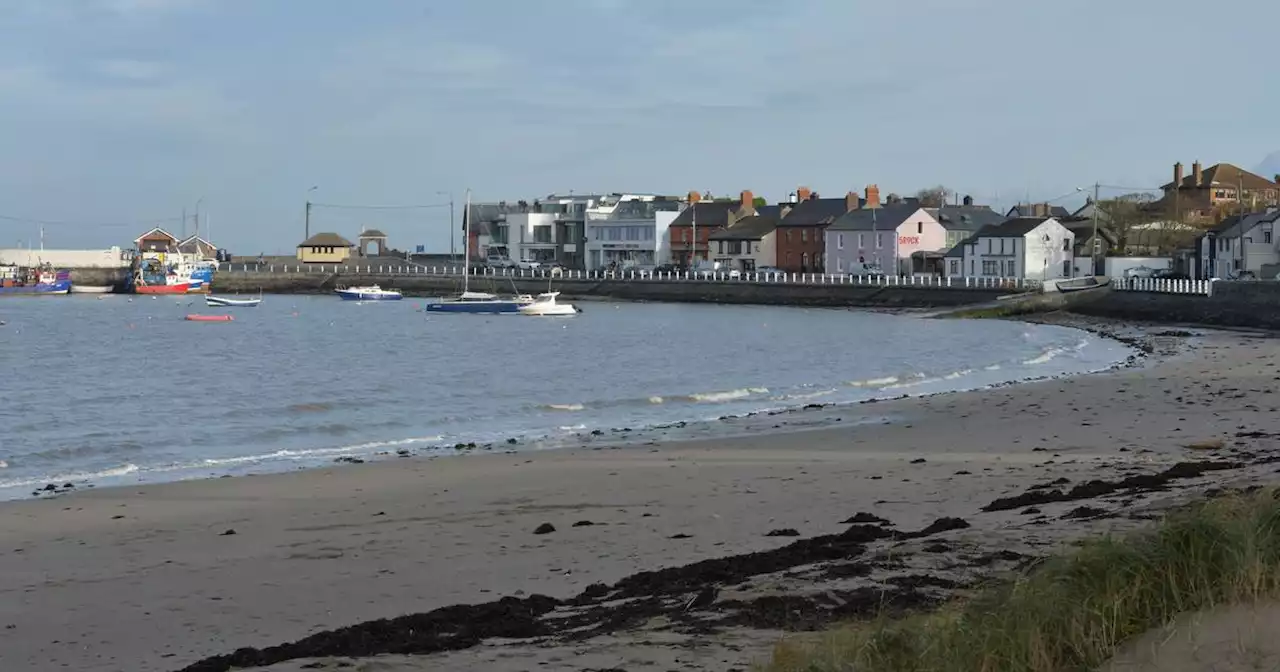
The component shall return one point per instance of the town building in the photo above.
(799, 238)
(964, 219)
(897, 239)
(1207, 194)
(750, 243)
(1029, 248)
(626, 230)
(1240, 245)
(324, 248)
(156, 240)
(691, 230)
(197, 248)
(1037, 210)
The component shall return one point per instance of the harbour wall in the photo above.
(1232, 304)
(681, 291)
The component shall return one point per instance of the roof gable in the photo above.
(1226, 175)
(709, 213)
(816, 212)
(156, 234)
(325, 239)
(1014, 227)
(754, 227)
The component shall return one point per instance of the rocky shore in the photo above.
(686, 555)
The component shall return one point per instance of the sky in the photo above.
(120, 114)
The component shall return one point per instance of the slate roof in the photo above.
(884, 218)
(325, 240)
(957, 252)
(747, 228)
(1014, 227)
(965, 217)
(712, 213)
(1055, 211)
(815, 212)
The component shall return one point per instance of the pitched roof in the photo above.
(325, 240)
(1083, 228)
(1238, 225)
(958, 250)
(157, 230)
(815, 212)
(748, 228)
(1226, 175)
(885, 218)
(709, 213)
(372, 233)
(965, 217)
(1028, 210)
(1014, 227)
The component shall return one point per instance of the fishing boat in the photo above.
(201, 274)
(230, 302)
(21, 281)
(91, 289)
(368, 293)
(152, 276)
(545, 305)
(476, 302)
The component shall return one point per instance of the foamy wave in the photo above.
(572, 428)
(563, 407)
(1046, 356)
(916, 381)
(82, 476)
(656, 400)
(993, 367)
(873, 382)
(728, 395)
(319, 452)
(802, 396)
(957, 374)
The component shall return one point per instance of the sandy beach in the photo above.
(159, 577)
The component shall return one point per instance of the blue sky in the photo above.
(129, 111)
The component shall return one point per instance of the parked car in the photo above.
(864, 269)
(1170, 274)
(528, 265)
(1139, 272)
(669, 268)
(768, 270)
(495, 261)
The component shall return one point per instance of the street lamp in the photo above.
(450, 195)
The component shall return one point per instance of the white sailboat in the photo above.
(476, 302)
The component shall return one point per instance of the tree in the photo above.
(934, 197)
(1128, 218)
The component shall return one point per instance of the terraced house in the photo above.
(800, 244)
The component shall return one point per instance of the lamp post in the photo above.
(307, 215)
(450, 195)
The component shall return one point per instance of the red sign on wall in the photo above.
(908, 240)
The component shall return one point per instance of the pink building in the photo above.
(885, 236)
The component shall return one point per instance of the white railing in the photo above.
(921, 281)
(1163, 285)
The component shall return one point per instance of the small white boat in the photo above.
(368, 293)
(546, 305)
(228, 302)
(90, 289)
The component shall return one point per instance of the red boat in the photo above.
(209, 318)
(180, 288)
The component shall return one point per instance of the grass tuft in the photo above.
(1072, 611)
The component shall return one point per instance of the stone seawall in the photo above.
(115, 277)
(629, 290)
(1233, 304)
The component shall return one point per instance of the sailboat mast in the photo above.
(466, 246)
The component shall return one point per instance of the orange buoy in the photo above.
(209, 318)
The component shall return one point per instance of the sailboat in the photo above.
(476, 302)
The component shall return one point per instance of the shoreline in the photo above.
(326, 548)
(789, 415)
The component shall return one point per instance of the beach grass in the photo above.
(1072, 611)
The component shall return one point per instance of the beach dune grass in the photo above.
(1072, 611)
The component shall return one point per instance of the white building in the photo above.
(626, 230)
(1242, 244)
(1030, 248)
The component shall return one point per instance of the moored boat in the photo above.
(368, 293)
(153, 276)
(230, 302)
(546, 305)
(476, 302)
(91, 289)
(20, 281)
(209, 318)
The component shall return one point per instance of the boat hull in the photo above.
(498, 307)
(348, 295)
(231, 303)
(209, 318)
(180, 288)
(39, 289)
(91, 289)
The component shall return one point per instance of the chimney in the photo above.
(1040, 210)
(968, 200)
(1199, 176)
(803, 193)
(694, 197)
(748, 201)
(1177, 175)
(873, 196)
(851, 201)
(1277, 178)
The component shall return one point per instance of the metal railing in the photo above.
(1164, 285)
(921, 281)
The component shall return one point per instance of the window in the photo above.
(839, 265)
(879, 240)
(955, 267)
(788, 235)
(990, 246)
(735, 247)
(1066, 244)
(1266, 236)
(971, 263)
(1066, 269)
(804, 261)
(804, 235)
(840, 241)
(919, 227)
(1002, 246)
(989, 268)
(861, 244)
(720, 246)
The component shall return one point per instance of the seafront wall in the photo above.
(1232, 304)
(687, 291)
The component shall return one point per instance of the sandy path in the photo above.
(146, 578)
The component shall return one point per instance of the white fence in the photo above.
(1164, 286)
(651, 276)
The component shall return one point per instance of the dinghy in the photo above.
(229, 302)
(209, 318)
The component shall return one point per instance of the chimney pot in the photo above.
(694, 197)
(1196, 172)
(1177, 175)
(851, 201)
(803, 193)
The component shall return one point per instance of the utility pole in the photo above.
(451, 228)
(307, 220)
(1093, 254)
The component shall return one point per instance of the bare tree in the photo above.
(1127, 217)
(934, 197)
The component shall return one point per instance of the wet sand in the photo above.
(158, 577)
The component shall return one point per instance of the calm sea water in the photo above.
(121, 389)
